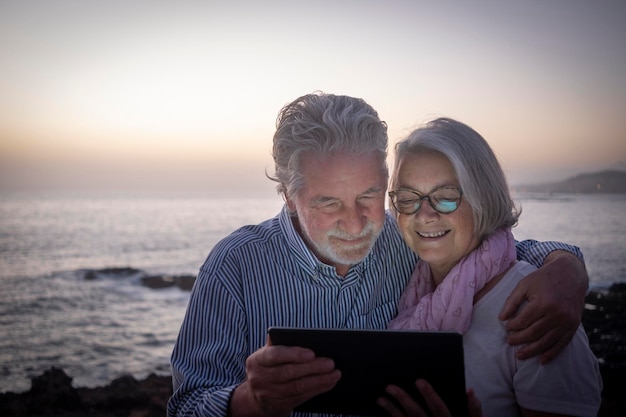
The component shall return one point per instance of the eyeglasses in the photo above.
(444, 200)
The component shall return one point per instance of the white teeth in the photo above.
(432, 234)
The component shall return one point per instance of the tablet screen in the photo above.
(371, 359)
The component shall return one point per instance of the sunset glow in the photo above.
(118, 93)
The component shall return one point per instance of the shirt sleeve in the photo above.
(534, 252)
(209, 354)
(570, 384)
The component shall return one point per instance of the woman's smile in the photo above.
(430, 235)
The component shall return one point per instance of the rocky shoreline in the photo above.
(52, 393)
(604, 319)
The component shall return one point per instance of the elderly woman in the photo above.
(454, 210)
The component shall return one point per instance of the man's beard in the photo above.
(333, 251)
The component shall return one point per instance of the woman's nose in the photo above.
(426, 211)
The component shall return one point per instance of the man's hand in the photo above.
(556, 297)
(278, 378)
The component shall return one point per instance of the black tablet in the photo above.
(369, 360)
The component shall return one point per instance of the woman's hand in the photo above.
(436, 406)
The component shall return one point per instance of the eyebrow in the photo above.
(324, 199)
(373, 190)
(405, 187)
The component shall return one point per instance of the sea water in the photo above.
(99, 329)
(596, 223)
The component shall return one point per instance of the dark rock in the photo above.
(618, 288)
(184, 282)
(123, 392)
(51, 391)
(54, 389)
(53, 395)
(604, 320)
(121, 272)
(158, 281)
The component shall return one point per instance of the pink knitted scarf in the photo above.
(449, 305)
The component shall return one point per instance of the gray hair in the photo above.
(479, 173)
(323, 124)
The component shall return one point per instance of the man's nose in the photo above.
(353, 220)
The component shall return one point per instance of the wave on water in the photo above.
(96, 324)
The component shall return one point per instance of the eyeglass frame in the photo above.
(421, 197)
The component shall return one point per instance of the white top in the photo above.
(570, 384)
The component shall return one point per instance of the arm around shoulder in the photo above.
(555, 296)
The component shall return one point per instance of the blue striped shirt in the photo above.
(264, 275)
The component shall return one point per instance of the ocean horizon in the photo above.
(64, 303)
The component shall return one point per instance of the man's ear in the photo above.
(290, 204)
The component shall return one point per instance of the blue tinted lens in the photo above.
(446, 206)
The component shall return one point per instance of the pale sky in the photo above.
(186, 93)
